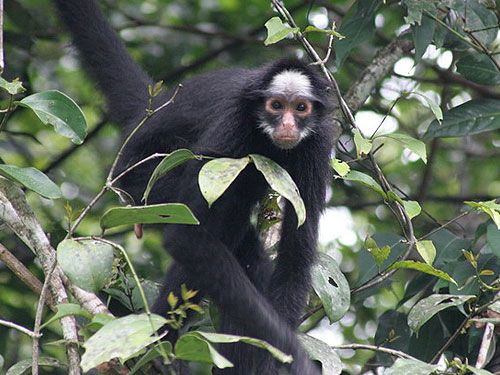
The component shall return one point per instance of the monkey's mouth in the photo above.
(286, 142)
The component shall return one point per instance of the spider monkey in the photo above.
(281, 110)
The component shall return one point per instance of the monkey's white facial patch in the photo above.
(291, 83)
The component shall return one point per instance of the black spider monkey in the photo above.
(281, 110)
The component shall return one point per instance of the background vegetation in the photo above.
(421, 266)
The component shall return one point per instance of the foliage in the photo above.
(409, 268)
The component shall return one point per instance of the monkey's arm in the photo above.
(121, 80)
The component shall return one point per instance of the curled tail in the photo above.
(121, 80)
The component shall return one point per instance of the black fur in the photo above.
(216, 114)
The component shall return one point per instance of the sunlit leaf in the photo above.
(88, 264)
(121, 338)
(277, 30)
(363, 145)
(412, 144)
(379, 254)
(59, 110)
(166, 213)
(216, 176)
(422, 267)
(426, 250)
(404, 366)
(365, 180)
(412, 208)
(320, 351)
(490, 208)
(333, 32)
(14, 87)
(341, 167)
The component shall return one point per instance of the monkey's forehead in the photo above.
(291, 83)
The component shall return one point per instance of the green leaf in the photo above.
(404, 366)
(434, 107)
(341, 167)
(422, 267)
(22, 367)
(219, 338)
(490, 208)
(322, 352)
(88, 264)
(59, 110)
(416, 8)
(216, 176)
(477, 17)
(422, 36)
(166, 213)
(493, 239)
(479, 68)
(426, 308)
(473, 117)
(363, 145)
(412, 144)
(169, 162)
(280, 181)
(13, 88)
(478, 371)
(192, 347)
(66, 309)
(379, 254)
(331, 286)
(412, 208)
(314, 29)
(121, 338)
(365, 180)
(32, 179)
(426, 250)
(358, 27)
(277, 30)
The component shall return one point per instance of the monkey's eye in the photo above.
(301, 107)
(276, 104)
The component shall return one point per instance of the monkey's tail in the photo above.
(121, 80)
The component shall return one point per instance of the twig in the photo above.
(23, 273)
(396, 353)
(2, 62)
(38, 320)
(26, 331)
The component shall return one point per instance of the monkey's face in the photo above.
(287, 118)
(289, 106)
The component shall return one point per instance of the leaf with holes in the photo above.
(88, 264)
(32, 179)
(217, 175)
(341, 167)
(277, 30)
(169, 162)
(121, 338)
(430, 306)
(322, 352)
(331, 286)
(280, 181)
(363, 145)
(59, 110)
(13, 88)
(166, 213)
(379, 254)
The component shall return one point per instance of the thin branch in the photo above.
(2, 62)
(396, 353)
(26, 331)
(38, 321)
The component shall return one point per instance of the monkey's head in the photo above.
(291, 109)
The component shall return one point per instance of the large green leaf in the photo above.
(216, 176)
(479, 68)
(59, 110)
(404, 366)
(32, 179)
(279, 179)
(166, 213)
(422, 267)
(473, 117)
(173, 160)
(121, 338)
(357, 26)
(88, 263)
(331, 286)
(428, 307)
